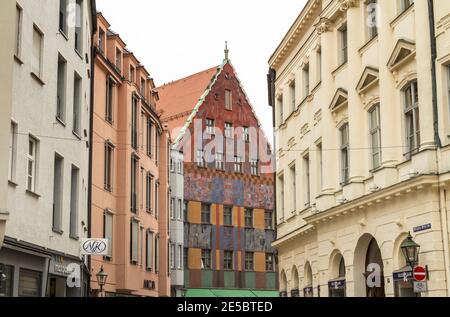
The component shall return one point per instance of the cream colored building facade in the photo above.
(359, 164)
(6, 75)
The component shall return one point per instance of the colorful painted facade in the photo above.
(228, 215)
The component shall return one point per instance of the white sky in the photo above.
(176, 38)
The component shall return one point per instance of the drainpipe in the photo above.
(444, 229)
(431, 20)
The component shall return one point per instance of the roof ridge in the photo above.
(188, 77)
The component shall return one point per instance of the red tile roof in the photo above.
(178, 99)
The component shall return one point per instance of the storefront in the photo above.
(336, 288)
(66, 278)
(404, 283)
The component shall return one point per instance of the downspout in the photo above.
(91, 149)
(431, 20)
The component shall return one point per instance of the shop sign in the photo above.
(340, 284)
(308, 292)
(422, 228)
(420, 287)
(295, 293)
(403, 276)
(94, 247)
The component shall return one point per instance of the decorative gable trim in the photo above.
(340, 100)
(404, 50)
(369, 78)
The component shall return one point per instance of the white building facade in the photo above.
(48, 175)
(362, 145)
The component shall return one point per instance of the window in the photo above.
(61, 89)
(141, 246)
(375, 136)
(63, 16)
(172, 208)
(237, 164)
(180, 209)
(268, 219)
(109, 153)
(7, 289)
(58, 193)
(280, 110)
(412, 118)
(228, 100)
(210, 126)
(448, 85)
(157, 254)
(185, 211)
(254, 167)
(405, 4)
(30, 283)
(172, 256)
(134, 123)
(77, 95)
(307, 180)
(306, 87)
(228, 216)
(292, 95)
(180, 167)
(186, 258)
(219, 162)
(119, 59)
(269, 262)
(319, 64)
(246, 135)
(228, 260)
(372, 18)
(32, 158)
(149, 250)
(249, 261)
(157, 135)
(228, 130)
(200, 158)
(345, 155)
(132, 74)
(101, 40)
(79, 26)
(206, 213)
(74, 189)
(134, 175)
(134, 245)
(206, 259)
(18, 37)
(109, 100)
(180, 257)
(12, 152)
(38, 46)
(320, 166)
(343, 40)
(157, 199)
(149, 136)
(143, 87)
(292, 172)
(148, 198)
(281, 191)
(108, 231)
(248, 215)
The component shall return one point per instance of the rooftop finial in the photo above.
(226, 50)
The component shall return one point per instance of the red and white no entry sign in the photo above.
(420, 274)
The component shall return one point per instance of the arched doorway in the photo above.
(283, 284)
(295, 291)
(337, 285)
(308, 279)
(368, 268)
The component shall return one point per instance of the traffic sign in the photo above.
(420, 274)
(420, 287)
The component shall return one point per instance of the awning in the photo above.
(205, 292)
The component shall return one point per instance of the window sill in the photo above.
(108, 189)
(31, 193)
(107, 258)
(368, 44)
(58, 232)
(18, 60)
(60, 121)
(12, 183)
(79, 54)
(76, 135)
(74, 238)
(63, 34)
(339, 68)
(37, 78)
(401, 15)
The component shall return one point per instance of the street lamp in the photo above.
(410, 250)
(101, 279)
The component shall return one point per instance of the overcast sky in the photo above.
(176, 38)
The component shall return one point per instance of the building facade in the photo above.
(6, 75)
(130, 173)
(361, 104)
(49, 148)
(228, 191)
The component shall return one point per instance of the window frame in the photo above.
(375, 132)
(206, 259)
(249, 218)
(228, 260)
(343, 44)
(12, 155)
(228, 216)
(412, 116)
(205, 213)
(109, 167)
(249, 261)
(33, 158)
(228, 100)
(345, 153)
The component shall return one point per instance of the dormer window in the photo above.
(119, 59)
(132, 74)
(101, 40)
(143, 87)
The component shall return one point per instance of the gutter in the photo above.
(431, 20)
